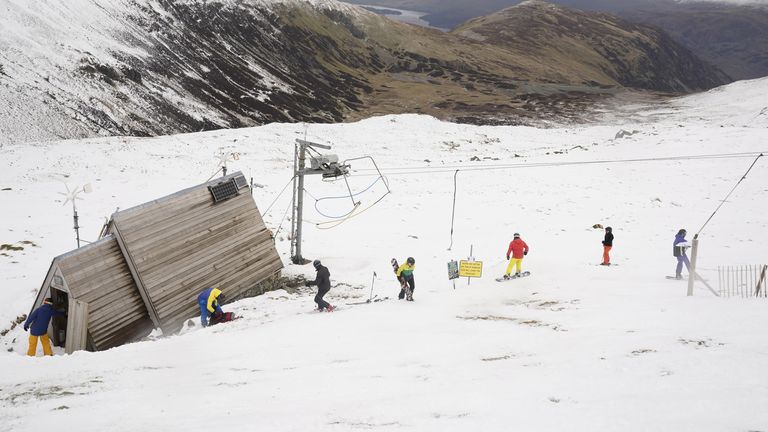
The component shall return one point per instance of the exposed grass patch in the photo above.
(642, 351)
(528, 322)
(19, 319)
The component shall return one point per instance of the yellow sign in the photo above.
(471, 269)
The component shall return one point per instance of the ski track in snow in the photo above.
(575, 346)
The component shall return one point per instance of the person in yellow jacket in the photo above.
(209, 301)
(405, 276)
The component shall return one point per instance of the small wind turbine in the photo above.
(72, 195)
(225, 157)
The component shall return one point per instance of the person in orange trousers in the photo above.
(37, 324)
(607, 246)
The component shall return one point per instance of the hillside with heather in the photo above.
(80, 68)
(729, 34)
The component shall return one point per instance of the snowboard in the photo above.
(403, 285)
(513, 277)
(674, 278)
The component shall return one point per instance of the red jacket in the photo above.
(518, 248)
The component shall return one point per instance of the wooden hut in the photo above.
(155, 259)
(95, 286)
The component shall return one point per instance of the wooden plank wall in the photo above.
(77, 326)
(183, 243)
(98, 275)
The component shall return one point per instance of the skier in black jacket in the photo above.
(607, 246)
(323, 282)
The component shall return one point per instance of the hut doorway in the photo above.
(59, 323)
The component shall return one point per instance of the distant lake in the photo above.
(402, 15)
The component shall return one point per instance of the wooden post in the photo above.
(470, 258)
(77, 326)
(720, 279)
(692, 270)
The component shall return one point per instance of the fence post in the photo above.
(760, 282)
(692, 270)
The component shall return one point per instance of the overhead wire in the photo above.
(453, 211)
(317, 200)
(214, 174)
(278, 195)
(729, 194)
(321, 224)
(475, 167)
(282, 220)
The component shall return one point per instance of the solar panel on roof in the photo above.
(223, 191)
(241, 182)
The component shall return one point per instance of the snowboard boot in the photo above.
(507, 277)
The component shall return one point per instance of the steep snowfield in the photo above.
(82, 68)
(576, 346)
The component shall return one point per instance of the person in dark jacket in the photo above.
(323, 282)
(679, 246)
(607, 246)
(37, 324)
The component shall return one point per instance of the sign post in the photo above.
(471, 268)
(453, 271)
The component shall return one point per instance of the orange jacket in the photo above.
(518, 248)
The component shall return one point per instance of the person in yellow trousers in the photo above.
(37, 323)
(518, 248)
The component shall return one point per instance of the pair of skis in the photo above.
(374, 299)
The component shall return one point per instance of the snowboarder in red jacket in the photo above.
(518, 249)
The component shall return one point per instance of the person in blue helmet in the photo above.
(679, 246)
(210, 301)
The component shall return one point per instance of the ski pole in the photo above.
(372, 281)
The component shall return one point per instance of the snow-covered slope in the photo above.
(141, 67)
(576, 346)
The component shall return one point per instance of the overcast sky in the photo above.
(761, 2)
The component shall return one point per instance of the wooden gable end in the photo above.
(97, 275)
(183, 243)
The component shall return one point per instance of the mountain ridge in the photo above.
(140, 67)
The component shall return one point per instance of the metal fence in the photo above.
(743, 281)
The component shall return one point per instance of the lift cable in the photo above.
(450, 168)
(729, 194)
